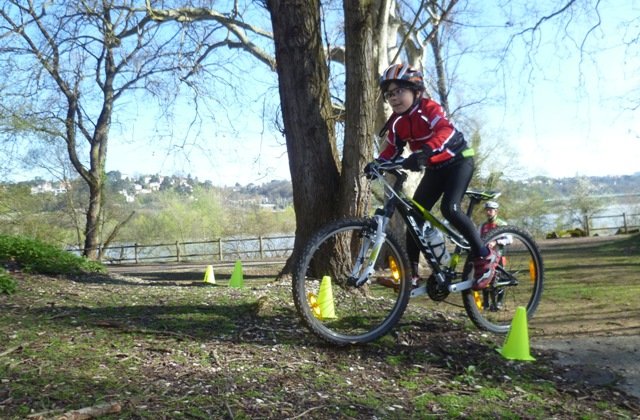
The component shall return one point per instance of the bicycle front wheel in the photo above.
(518, 282)
(325, 295)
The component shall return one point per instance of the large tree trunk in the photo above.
(306, 113)
(361, 69)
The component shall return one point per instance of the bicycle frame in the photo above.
(414, 216)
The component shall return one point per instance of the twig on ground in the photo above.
(306, 412)
(11, 350)
(82, 413)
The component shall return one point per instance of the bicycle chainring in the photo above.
(435, 291)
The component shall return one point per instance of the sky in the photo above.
(551, 110)
(573, 111)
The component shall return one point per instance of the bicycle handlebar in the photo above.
(377, 171)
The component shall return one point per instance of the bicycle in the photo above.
(338, 286)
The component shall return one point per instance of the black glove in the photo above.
(368, 169)
(416, 161)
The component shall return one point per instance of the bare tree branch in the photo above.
(539, 23)
(236, 27)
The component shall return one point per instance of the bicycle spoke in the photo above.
(518, 282)
(324, 291)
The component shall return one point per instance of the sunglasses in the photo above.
(394, 92)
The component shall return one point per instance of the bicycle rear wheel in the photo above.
(518, 282)
(323, 291)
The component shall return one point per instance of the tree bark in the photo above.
(443, 92)
(361, 71)
(306, 114)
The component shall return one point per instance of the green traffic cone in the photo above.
(325, 299)
(516, 346)
(236, 277)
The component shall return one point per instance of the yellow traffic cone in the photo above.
(516, 346)
(209, 277)
(313, 303)
(325, 299)
(236, 277)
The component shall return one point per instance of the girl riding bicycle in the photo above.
(422, 124)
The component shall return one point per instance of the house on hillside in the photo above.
(49, 187)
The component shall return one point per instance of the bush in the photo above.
(37, 257)
(7, 284)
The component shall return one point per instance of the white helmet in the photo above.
(491, 205)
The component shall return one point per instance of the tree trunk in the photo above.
(443, 92)
(92, 231)
(361, 71)
(306, 114)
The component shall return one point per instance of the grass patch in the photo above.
(171, 348)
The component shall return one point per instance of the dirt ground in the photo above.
(602, 361)
(587, 352)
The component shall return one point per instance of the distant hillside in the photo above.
(279, 193)
(559, 188)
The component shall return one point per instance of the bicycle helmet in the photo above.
(402, 74)
(491, 205)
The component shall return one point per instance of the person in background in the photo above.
(493, 221)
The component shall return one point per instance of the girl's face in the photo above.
(400, 98)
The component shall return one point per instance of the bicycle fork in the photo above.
(369, 252)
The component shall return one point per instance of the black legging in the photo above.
(450, 182)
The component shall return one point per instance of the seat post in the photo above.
(472, 204)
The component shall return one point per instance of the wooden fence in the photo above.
(218, 250)
(622, 223)
(266, 248)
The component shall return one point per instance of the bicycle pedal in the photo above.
(418, 291)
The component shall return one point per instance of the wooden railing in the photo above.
(266, 247)
(218, 250)
(624, 223)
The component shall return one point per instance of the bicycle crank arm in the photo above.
(461, 286)
(453, 288)
(418, 291)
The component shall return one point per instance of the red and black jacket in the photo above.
(424, 127)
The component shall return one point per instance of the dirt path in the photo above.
(602, 361)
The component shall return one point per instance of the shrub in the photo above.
(37, 257)
(7, 284)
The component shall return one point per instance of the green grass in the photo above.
(178, 349)
(594, 283)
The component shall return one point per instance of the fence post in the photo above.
(220, 249)
(135, 252)
(178, 251)
(586, 224)
(261, 248)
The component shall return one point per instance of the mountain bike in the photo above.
(352, 281)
